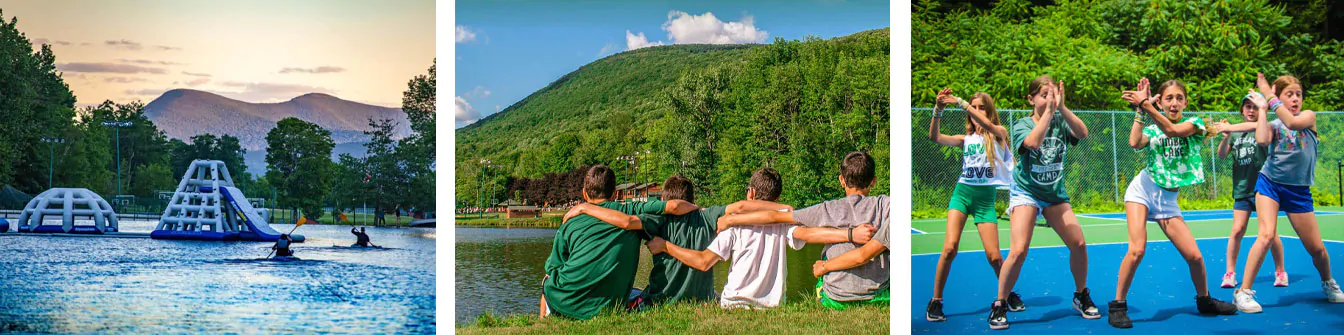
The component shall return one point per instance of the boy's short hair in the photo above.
(767, 184)
(857, 169)
(678, 188)
(599, 182)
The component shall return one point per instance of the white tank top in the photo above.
(975, 167)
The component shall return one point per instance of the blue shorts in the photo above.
(1244, 204)
(1292, 199)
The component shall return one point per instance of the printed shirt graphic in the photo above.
(1175, 161)
(976, 168)
(1247, 158)
(1040, 172)
(1292, 156)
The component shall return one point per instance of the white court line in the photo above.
(918, 231)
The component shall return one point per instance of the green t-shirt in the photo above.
(1040, 172)
(592, 263)
(1175, 161)
(671, 280)
(1247, 158)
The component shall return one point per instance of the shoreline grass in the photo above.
(800, 316)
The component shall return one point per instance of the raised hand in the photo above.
(1258, 99)
(1263, 85)
(1059, 96)
(945, 97)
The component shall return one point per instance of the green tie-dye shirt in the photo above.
(1175, 161)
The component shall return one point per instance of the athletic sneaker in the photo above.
(1246, 301)
(1082, 301)
(1015, 303)
(1210, 306)
(1332, 292)
(1230, 280)
(998, 315)
(1280, 279)
(934, 313)
(1119, 315)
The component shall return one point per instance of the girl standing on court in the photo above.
(985, 166)
(1040, 142)
(1247, 159)
(1172, 144)
(1285, 184)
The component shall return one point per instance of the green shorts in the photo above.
(975, 201)
(880, 298)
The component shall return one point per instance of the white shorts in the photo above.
(1161, 203)
(1019, 197)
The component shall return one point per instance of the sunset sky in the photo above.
(255, 51)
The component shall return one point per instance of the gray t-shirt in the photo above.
(862, 282)
(1292, 156)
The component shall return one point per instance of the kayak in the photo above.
(369, 246)
(284, 258)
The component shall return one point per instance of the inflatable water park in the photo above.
(206, 205)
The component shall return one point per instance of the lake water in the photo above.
(499, 270)
(145, 286)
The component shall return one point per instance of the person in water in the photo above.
(281, 246)
(361, 237)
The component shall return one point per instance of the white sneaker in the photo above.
(1245, 300)
(1280, 279)
(1230, 280)
(1332, 292)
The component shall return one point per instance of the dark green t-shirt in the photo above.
(671, 280)
(592, 263)
(1041, 172)
(1247, 158)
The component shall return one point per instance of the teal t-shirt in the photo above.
(592, 264)
(1247, 158)
(1040, 172)
(671, 280)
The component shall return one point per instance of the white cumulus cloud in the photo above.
(685, 28)
(464, 35)
(463, 111)
(633, 41)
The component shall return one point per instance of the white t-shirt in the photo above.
(756, 276)
(975, 163)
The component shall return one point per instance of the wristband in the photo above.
(963, 104)
(851, 238)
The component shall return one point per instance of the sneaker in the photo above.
(998, 315)
(1332, 292)
(1119, 315)
(1015, 303)
(1245, 300)
(1280, 279)
(934, 313)
(1082, 301)
(1230, 279)
(1209, 306)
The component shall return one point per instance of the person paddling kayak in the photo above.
(361, 237)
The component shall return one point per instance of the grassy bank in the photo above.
(799, 316)
(547, 220)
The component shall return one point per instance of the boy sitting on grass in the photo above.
(756, 277)
(592, 264)
(670, 280)
(839, 287)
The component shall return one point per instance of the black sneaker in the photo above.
(1015, 302)
(998, 315)
(934, 313)
(1210, 306)
(1119, 315)
(1082, 301)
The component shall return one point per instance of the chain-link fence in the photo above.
(1100, 167)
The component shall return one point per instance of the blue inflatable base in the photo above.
(53, 229)
(4, 225)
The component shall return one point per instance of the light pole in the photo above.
(480, 196)
(51, 150)
(117, 125)
(633, 161)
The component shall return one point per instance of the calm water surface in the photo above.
(144, 286)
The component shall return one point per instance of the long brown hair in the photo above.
(991, 141)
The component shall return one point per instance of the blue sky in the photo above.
(509, 49)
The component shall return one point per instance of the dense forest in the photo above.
(711, 113)
(1099, 48)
